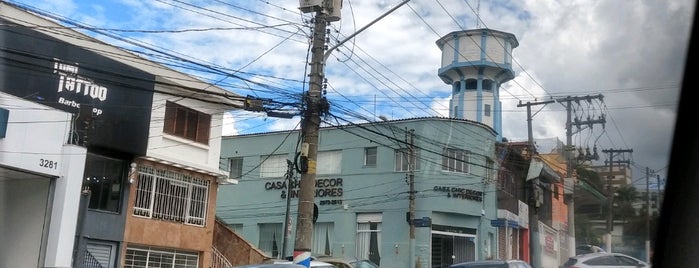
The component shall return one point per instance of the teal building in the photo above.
(363, 194)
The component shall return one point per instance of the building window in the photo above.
(143, 257)
(329, 162)
(103, 177)
(489, 170)
(456, 87)
(271, 237)
(273, 166)
(471, 84)
(322, 239)
(402, 157)
(487, 85)
(235, 167)
(486, 110)
(369, 237)
(370, 156)
(173, 196)
(455, 160)
(186, 123)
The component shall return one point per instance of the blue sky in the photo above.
(632, 52)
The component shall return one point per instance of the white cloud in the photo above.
(630, 51)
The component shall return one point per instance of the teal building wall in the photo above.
(452, 204)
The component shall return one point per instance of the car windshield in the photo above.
(393, 133)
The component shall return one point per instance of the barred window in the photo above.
(142, 257)
(169, 195)
(455, 160)
(273, 166)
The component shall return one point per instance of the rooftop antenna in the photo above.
(478, 15)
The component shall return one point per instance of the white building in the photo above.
(40, 179)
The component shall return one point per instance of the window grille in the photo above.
(273, 166)
(173, 196)
(138, 257)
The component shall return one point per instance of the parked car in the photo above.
(341, 262)
(603, 259)
(492, 264)
(271, 265)
(584, 249)
(314, 263)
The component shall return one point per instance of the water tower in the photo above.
(475, 63)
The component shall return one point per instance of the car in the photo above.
(345, 262)
(584, 249)
(270, 265)
(492, 264)
(314, 263)
(604, 259)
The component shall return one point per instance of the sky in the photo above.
(631, 52)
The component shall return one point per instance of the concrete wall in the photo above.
(234, 247)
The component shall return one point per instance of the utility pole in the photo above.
(411, 182)
(569, 182)
(648, 171)
(660, 193)
(533, 193)
(287, 218)
(326, 11)
(610, 194)
(532, 149)
(310, 124)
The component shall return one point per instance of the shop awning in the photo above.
(539, 169)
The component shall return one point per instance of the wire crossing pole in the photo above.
(648, 171)
(309, 148)
(569, 161)
(610, 193)
(532, 189)
(411, 182)
(326, 12)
